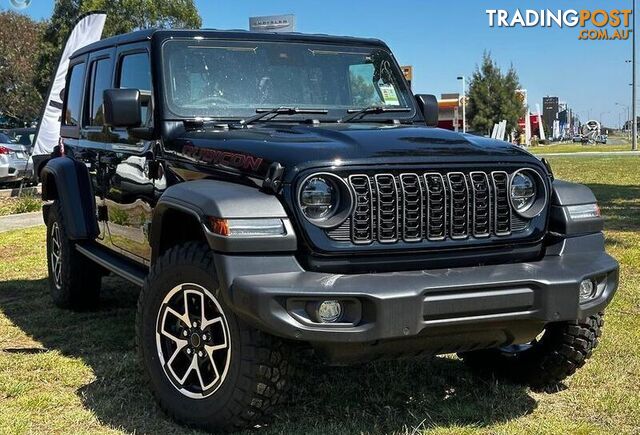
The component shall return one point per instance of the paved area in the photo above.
(19, 221)
(8, 193)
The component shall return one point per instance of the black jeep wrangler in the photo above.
(279, 193)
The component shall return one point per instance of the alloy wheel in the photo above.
(56, 255)
(193, 340)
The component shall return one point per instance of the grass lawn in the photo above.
(578, 148)
(68, 372)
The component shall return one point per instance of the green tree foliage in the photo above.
(493, 98)
(19, 39)
(122, 16)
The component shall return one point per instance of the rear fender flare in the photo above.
(68, 181)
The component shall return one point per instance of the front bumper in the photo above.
(502, 304)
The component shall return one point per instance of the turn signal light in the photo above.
(586, 211)
(247, 227)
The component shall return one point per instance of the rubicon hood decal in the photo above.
(225, 158)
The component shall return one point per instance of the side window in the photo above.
(74, 95)
(135, 73)
(100, 81)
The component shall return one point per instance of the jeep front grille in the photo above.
(431, 206)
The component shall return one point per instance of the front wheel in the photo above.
(205, 366)
(559, 351)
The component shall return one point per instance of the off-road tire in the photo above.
(259, 365)
(564, 348)
(77, 284)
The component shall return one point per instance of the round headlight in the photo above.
(528, 193)
(523, 191)
(319, 198)
(325, 200)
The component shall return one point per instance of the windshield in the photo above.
(231, 79)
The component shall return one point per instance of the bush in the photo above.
(27, 204)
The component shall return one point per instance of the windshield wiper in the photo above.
(356, 113)
(263, 113)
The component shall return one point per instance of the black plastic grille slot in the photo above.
(481, 204)
(436, 206)
(432, 206)
(412, 207)
(502, 209)
(387, 204)
(459, 202)
(362, 217)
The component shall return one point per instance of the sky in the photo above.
(446, 39)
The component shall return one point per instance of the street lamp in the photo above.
(634, 121)
(626, 107)
(464, 104)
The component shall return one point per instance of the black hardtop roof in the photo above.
(161, 34)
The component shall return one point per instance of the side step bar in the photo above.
(113, 263)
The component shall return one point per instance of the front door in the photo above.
(129, 185)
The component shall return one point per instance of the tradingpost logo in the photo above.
(593, 25)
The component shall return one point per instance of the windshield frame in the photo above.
(333, 115)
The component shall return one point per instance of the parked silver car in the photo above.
(14, 160)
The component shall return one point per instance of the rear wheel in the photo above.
(543, 363)
(74, 280)
(205, 366)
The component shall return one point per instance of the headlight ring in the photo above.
(528, 193)
(325, 199)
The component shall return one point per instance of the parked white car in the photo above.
(14, 160)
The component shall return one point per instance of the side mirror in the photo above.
(122, 108)
(429, 106)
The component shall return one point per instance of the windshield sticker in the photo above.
(389, 96)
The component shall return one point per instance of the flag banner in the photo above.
(88, 30)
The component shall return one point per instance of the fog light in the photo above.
(329, 311)
(587, 290)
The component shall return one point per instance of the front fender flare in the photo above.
(203, 199)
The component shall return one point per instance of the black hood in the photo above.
(298, 147)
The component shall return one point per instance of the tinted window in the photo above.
(100, 80)
(74, 95)
(135, 73)
(5, 139)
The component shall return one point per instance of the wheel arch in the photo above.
(68, 181)
(173, 224)
(189, 205)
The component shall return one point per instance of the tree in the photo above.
(493, 97)
(122, 16)
(19, 39)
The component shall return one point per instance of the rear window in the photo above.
(5, 139)
(74, 95)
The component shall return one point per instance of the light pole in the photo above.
(634, 121)
(626, 107)
(464, 104)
